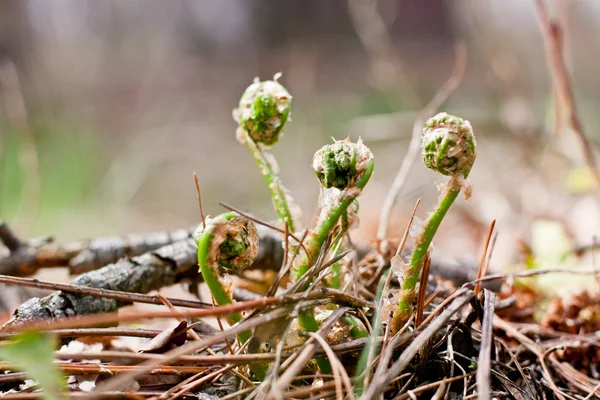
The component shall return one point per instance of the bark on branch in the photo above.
(25, 258)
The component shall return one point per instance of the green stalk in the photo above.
(363, 367)
(328, 223)
(448, 148)
(408, 293)
(278, 193)
(336, 166)
(335, 281)
(336, 269)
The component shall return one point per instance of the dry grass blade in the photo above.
(407, 229)
(95, 369)
(531, 274)
(285, 267)
(422, 292)
(570, 374)
(199, 195)
(485, 352)
(386, 374)
(309, 391)
(104, 332)
(215, 359)
(593, 392)
(315, 270)
(340, 376)
(115, 395)
(238, 395)
(389, 277)
(482, 270)
(200, 381)
(531, 394)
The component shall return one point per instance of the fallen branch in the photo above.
(113, 318)
(142, 274)
(25, 258)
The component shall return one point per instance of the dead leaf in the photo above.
(167, 339)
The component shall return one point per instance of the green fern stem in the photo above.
(278, 192)
(328, 223)
(370, 350)
(408, 289)
(335, 281)
(306, 318)
(449, 148)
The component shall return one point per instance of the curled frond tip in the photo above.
(263, 111)
(339, 165)
(448, 145)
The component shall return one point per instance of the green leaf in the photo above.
(580, 180)
(552, 248)
(33, 353)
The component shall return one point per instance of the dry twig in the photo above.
(552, 32)
(125, 297)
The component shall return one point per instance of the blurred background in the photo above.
(106, 109)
